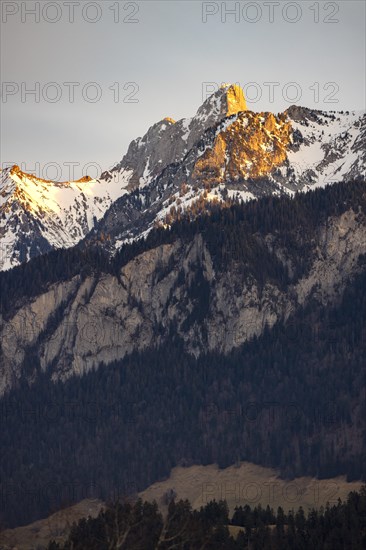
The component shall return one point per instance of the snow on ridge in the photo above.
(63, 213)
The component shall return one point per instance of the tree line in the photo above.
(133, 526)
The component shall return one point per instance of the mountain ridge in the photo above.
(224, 151)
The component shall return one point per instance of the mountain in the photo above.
(225, 151)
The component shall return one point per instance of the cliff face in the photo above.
(178, 289)
(250, 147)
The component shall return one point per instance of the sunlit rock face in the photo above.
(250, 147)
(235, 100)
(226, 101)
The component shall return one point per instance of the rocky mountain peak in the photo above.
(168, 141)
(168, 119)
(226, 101)
(235, 100)
(15, 170)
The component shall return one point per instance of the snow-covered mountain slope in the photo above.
(328, 146)
(38, 215)
(224, 152)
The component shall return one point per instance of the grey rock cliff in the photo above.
(103, 319)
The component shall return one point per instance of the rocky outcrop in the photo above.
(252, 146)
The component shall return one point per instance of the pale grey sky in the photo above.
(168, 54)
